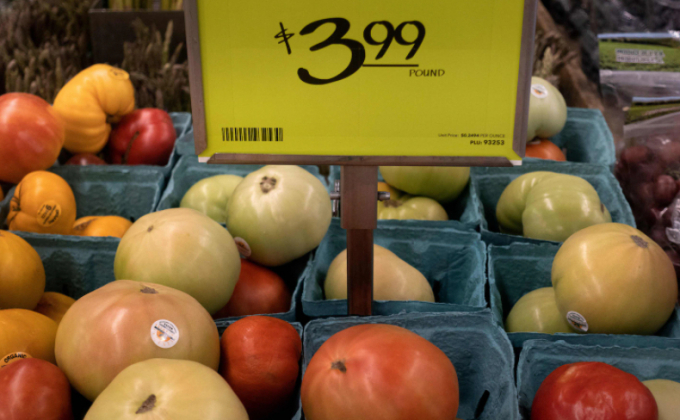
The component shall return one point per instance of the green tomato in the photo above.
(537, 312)
(211, 195)
(182, 249)
(547, 110)
(667, 396)
(613, 279)
(281, 212)
(549, 206)
(393, 278)
(167, 389)
(411, 208)
(442, 183)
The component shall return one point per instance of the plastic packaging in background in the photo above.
(540, 358)
(520, 268)
(451, 260)
(491, 182)
(636, 65)
(463, 212)
(477, 347)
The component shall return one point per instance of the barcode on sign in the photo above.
(252, 134)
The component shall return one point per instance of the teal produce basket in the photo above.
(520, 268)
(182, 123)
(126, 192)
(451, 260)
(185, 145)
(540, 358)
(491, 182)
(464, 212)
(477, 347)
(586, 138)
(189, 171)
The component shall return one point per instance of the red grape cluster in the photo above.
(649, 175)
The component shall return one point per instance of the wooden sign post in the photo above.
(360, 84)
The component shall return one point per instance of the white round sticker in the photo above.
(164, 333)
(539, 91)
(577, 321)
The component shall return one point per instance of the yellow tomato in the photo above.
(25, 333)
(101, 226)
(54, 305)
(43, 203)
(94, 98)
(22, 275)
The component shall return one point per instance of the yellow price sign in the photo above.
(369, 82)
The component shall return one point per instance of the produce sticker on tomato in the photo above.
(362, 77)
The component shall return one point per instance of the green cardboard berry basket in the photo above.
(517, 269)
(477, 347)
(451, 260)
(539, 358)
(491, 182)
(586, 138)
(182, 123)
(126, 192)
(189, 171)
(464, 212)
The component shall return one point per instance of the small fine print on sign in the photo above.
(371, 81)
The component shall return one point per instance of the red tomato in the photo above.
(544, 149)
(31, 135)
(84, 159)
(260, 357)
(258, 291)
(376, 371)
(593, 391)
(143, 137)
(33, 389)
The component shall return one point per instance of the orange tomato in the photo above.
(544, 149)
(385, 187)
(43, 203)
(54, 305)
(22, 275)
(24, 334)
(101, 226)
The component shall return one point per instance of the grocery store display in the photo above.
(167, 389)
(407, 207)
(537, 312)
(128, 322)
(184, 249)
(393, 278)
(378, 371)
(85, 159)
(592, 390)
(544, 149)
(115, 226)
(22, 275)
(90, 102)
(667, 396)
(258, 291)
(549, 206)
(547, 110)
(443, 184)
(260, 361)
(211, 195)
(24, 334)
(33, 389)
(613, 279)
(42, 203)
(143, 137)
(31, 136)
(280, 212)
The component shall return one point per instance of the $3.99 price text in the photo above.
(357, 48)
